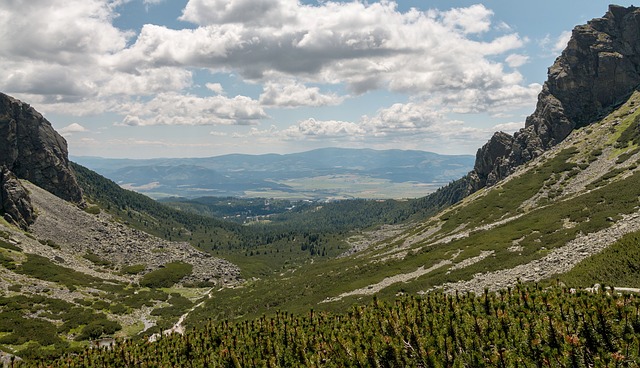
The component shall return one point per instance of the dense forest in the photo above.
(524, 326)
(304, 230)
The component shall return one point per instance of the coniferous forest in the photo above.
(523, 326)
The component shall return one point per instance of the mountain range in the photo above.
(319, 174)
(493, 269)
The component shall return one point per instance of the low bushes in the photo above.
(167, 276)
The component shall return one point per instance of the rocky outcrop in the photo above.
(15, 204)
(598, 70)
(33, 150)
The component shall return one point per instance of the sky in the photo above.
(198, 78)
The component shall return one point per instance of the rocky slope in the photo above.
(33, 150)
(76, 233)
(80, 269)
(74, 272)
(598, 70)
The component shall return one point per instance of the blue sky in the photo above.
(195, 78)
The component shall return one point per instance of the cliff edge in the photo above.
(32, 150)
(597, 71)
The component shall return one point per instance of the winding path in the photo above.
(179, 327)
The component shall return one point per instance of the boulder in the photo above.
(15, 204)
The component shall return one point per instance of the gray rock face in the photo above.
(33, 150)
(15, 204)
(599, 69)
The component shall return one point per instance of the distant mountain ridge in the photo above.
(236, 174)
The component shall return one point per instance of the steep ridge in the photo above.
(33, 150)
(598, 70)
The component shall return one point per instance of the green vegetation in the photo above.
(95, 259)
(178, 305)
(538, 230)
(291, 238)
(288, 259)
(631, 135)
(33, 325)
(93, 210)
(167, 276)
(618, 265)
(42, 268)
(231, 208)
(523, 326)
(506, 199)
(6, 245)
(133, 269)
(50, 243)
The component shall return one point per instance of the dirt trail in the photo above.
(179, 327)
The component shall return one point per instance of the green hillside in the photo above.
(521, 326)
(356, 282)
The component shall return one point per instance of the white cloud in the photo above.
(363, 45)
(145, 82)
(178, 109)
(293, 94)
(152, 2)
(252, 12)
(555, 45)
(474, 19)
(516, 60)
(397, 122)
(311, 128)
(72, 128)
(67, 57)
(402, 119)
(67, 32)
(508, 127)
(562, 41)
(215, 87)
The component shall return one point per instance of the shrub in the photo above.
(95, 329)
(167, 276)
(133, 269)
(93, 210)
(100, 304)
(4, 244)
(50, 243)
(42, 268)
(95, 259)
(118, 309)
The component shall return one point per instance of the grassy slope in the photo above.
(535, 206)
(540, 201)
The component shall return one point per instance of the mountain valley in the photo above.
(496, 268)
(322, 174)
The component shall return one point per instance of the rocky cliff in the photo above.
(33, 150)
(15, 204)
(598, 70)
